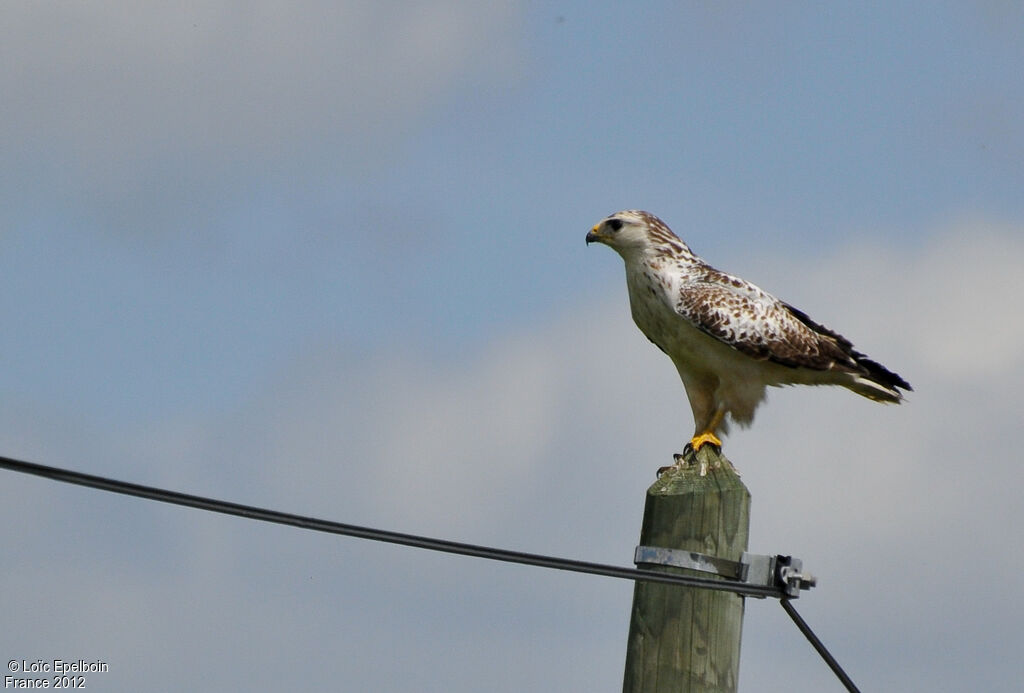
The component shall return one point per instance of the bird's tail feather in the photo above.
(877, 382)
(874, 391)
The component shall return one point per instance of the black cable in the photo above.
(818, 645)
(318, 525)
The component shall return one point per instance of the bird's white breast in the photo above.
(737, 380)
(652, 295)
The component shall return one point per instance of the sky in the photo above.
(328, 258)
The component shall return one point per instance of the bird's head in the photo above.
(632, 231)
(621, 230)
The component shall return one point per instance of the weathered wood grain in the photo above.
(688, 639)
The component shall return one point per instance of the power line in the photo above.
(819, 646)
(443, 545)
(330, 527)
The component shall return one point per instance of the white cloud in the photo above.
(107, 101)
(896, 507)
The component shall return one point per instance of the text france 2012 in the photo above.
(26, 674)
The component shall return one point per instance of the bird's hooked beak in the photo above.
(593, 236)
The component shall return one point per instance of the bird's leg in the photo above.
(706, 414)
(707, 435)
(704, 436)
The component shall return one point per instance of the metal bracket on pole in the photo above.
(783, 573)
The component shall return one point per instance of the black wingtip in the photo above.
(882, 375)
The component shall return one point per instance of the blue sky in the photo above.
(329, 258)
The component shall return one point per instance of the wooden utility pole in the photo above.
(687, 639)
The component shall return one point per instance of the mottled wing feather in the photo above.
(874, 369)
(818, 327)
(760, 326)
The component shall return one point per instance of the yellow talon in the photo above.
(697, 442)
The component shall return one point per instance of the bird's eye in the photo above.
(615, 224)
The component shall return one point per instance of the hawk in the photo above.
(728, 339)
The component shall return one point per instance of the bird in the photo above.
(729, 339)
